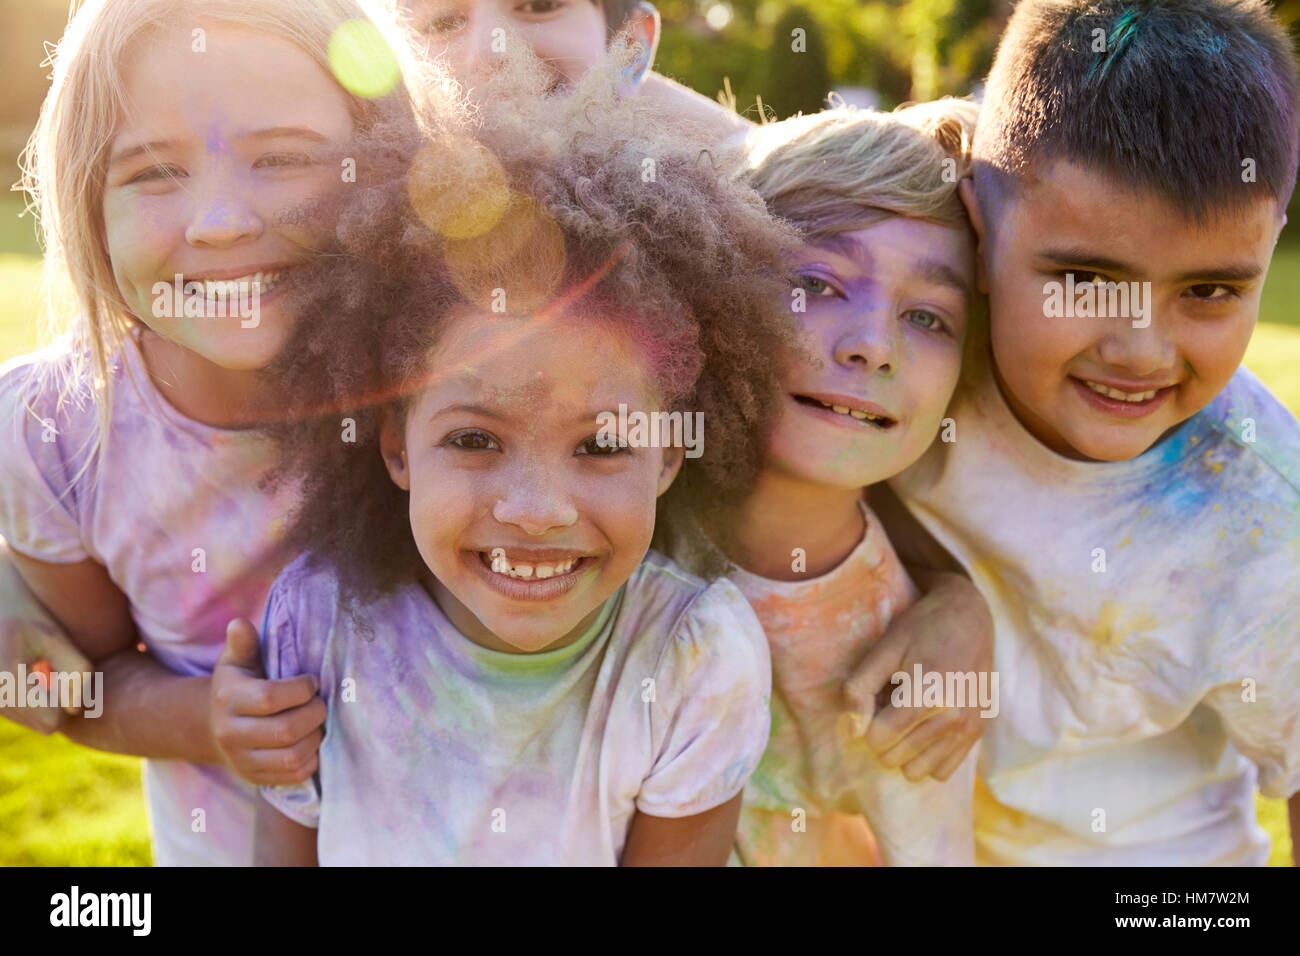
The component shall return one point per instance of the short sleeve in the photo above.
(38, 446)
(1259, 702)
(299, 802)
(711, 718)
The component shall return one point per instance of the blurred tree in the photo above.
(798, 76)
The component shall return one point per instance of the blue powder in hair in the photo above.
(1118, 42)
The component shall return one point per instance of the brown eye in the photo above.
(472, 441)
(597, 447)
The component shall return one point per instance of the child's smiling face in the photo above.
(1205, 284)
(885, 316)
(215, 147)
(501, 458)
(568, 35)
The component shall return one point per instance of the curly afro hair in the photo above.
(540, 201)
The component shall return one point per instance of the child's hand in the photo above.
(37, 647)
(269, 731)
(948, 630)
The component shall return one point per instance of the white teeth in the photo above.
(1121, 396)
(525, 571)
(257, 283)
(854, 413)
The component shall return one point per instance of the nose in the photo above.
(475, 50)
(535, 503)
(868, 342)
(222, 216)
(1137, 351)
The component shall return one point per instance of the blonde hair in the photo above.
(845, 169)
(66, 159)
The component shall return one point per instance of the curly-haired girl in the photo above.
(512, 677)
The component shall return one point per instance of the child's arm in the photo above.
(279, 841)
(267, 731)
(28, 634)
(1293, 806)
(949, 629)
(704, 839)
(927, 823)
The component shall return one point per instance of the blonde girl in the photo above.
(184, 146)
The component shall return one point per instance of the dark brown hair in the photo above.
(645, 226)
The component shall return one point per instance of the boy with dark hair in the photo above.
(570, 36)
(1124, 495)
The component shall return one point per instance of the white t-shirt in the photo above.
(439, 751)
(815, 773)
(1148, 629)
(172, 510)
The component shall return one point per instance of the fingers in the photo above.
(273, 733)
(900, 734)
(62, 656)
(872, 676)
(957, 756)
(43, 720)
(242, 649)
(253, 697)
(283, 766)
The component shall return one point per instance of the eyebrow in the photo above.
(941, 273)
(493, 413)
(471, 409)
(1231, 273)
(931, 270)
(271, 132)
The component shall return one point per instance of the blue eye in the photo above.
(814, 285)
(924, 319)
(471, 440)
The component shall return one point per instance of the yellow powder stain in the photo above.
(1108, 631)
(1217, 507)
(1103, 632)
(1256, 532)
(1216, 465)
(1124, 543)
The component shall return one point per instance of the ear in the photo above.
(392, 445)
(966, 189)
(641, 30)
(673, 458)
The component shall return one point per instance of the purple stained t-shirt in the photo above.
(173, 510)
(439, 751)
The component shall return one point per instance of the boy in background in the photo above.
(570, 36)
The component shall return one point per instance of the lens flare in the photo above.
(458, 188)
(516, 266)
(362, 60)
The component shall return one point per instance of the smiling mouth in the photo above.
(520, 570)
(882, 422)
(214, 289)
(1120, 395)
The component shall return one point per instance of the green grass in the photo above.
(61, 804)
